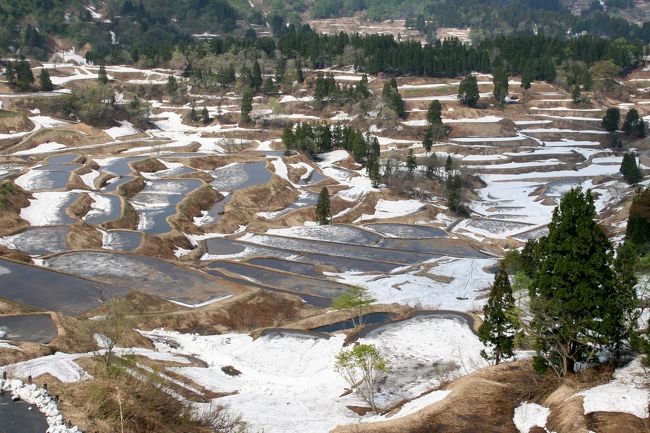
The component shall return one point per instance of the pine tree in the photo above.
(427, 142)
(46, 82)
(434, 113)
(449, 163)
(268, 88)
(256, 76)
(526, 80)
(576, 299)
(432, 166)
(24, 77)
(576, 95)
(634, 126)
(300, 75)
(468, 91)
(102, 77)
(630, 169)
(500, 82)
(246, 106)
(323, 213)
(172, 85)
(611, 120)
(205, 116)
(637, 231)
(500, 323)
(411, 162)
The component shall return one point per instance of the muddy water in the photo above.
(215, 213)
(366, 319)
(63, 159)
(146, 274)
(115, 184)
(120, 166)
(306, 269)
(124, 240)
(101, 216)
(435, 247)
(408, 231)
(343, 250)
(36, 328)
(240, 176)
(49, 290)
(158, 201)
(282, 281)
(20, 417)
(39, 241)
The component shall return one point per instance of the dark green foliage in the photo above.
(576, 299)
(611, 120)
(372, 166)
(323, 213)
(454, 184)
(468, 91)
(19, 75)
(322, 137)
(427, 142)
(102, 77)
(393, 99)
(256, 76)
(246, 106)
(449, 163)
(500, 81)
(205, 116)
(434, 113)
(630, 169)
(268, 88)
(638, 224)
(226, 76)
(526, 79)
(172, 85)
(633, 125)
(500, 322)
(45, 81)
(411, 162)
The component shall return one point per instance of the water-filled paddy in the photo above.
(408, 231)
(20, 417)
(36, 328)
(39, 241)
(122, 240)
(239, 176)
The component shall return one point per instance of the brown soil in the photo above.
(162, 246)
(12, 200)
(25, 352)
(128, 219)
(12, 122)
(245, 203)
(102, 179)
(607, 422)
(151, 165)
(191, 206)
(84, 237)
(80, 207)
(14, 255)
(481, 402)
(131, 188)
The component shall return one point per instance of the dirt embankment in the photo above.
(12, 122)
(191, 207)
(131, 188)
(151, 165)
(128, 218)
(163, 246)
(81, 206)
(271, 196)
(12, 200)
(84, 237)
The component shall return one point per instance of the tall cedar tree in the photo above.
(630, 169)
(246, 106)
(172, 85)
(427, 142)
(633, 125)
(611, 120)
(45, 81)
(638, 224)
(575, 295)
(434, 113)
(411, 162)
(500, 324)
(205, 115)
(500, 81)
(102, 77)
(323, 213)
(256, 76)
(468, 91)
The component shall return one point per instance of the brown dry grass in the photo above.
(84, 237)
(191, 206)
(128, 218)
(11, 122)
(131, 188)
(80, 207)
(12, 200)
(150, 165)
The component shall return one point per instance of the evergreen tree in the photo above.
(576, 94)
(24, 77)
(468, 91)
(323, 213)
(427, 142)
(411, 162)
(205, 116)
(611, 120)
(373, 161)
(630, 169)
(193, 114)
(102, 77)
(449, 163)
(526, 80)
(46, 82)
(172, 85)
(268, 88)
(361, 89)
(633, 125)
(246, 106)
(500, 319)
(434, 113)
(432, 166)
(637, 231)
(256, 76)
(500, 82)
(576, 299)
(300, 75)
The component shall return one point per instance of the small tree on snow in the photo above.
(357, 298)
(362, 368)
(323, 213)
(500, 324)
